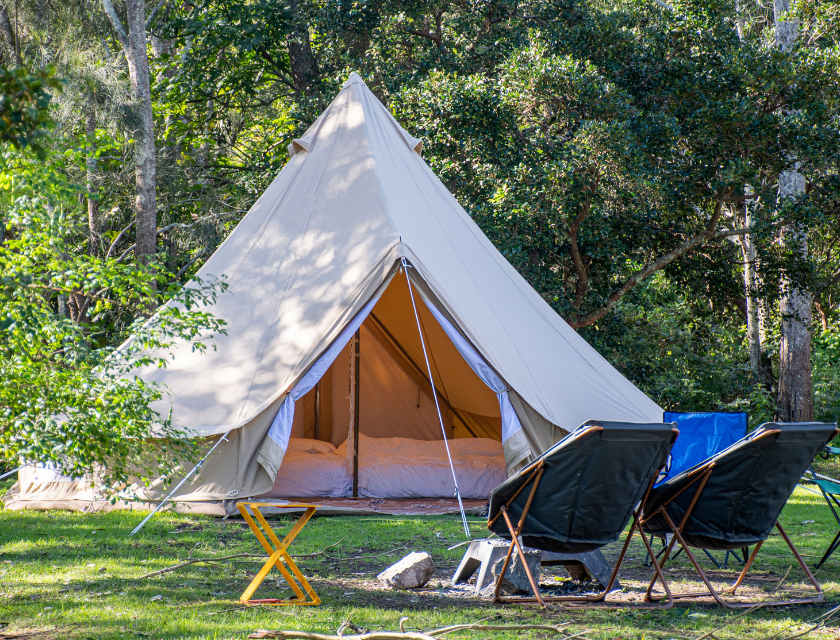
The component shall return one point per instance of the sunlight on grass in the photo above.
(79, 576)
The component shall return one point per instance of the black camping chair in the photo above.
(733, 500)
(580, 495)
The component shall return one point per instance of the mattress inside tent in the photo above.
(401, 448)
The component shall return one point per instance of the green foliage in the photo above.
(67, 397)
(24, 106)
(587, 139)
(826, 378)
(683, 354)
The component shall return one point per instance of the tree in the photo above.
(136, 55)
(796, 396)
(68, 398)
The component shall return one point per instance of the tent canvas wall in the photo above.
(310, 258)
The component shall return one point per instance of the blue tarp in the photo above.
(702, 435)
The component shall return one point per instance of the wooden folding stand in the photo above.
(278, 555)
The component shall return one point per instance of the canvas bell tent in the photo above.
(367, 317)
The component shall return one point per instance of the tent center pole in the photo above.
(318, 410)
(358, 344)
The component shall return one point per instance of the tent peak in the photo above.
(353, 78)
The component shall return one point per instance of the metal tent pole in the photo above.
(437, 404)
(186, 477)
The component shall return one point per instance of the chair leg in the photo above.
(820, 597)
(515, 535)
(597, 600)
(828, 552)
(501, 577)
(712, 558)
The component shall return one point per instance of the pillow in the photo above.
(309, 445)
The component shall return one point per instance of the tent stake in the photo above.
(358, 340)
(437, 404)
(186, 477)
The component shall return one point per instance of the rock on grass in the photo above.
(412, 571)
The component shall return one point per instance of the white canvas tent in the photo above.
(318, 257)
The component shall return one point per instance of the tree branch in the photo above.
(733, 232)
(118, 238)
(580, 268)
(652, 267)
(117, 25)
(154, 13)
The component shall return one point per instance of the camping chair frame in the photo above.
(829, 499)
(701, 476)
(278, 555)
(536, 471)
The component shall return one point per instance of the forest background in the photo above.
(664, 174)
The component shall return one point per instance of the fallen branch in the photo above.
(196, 560)
(820, 620)
(413, 635)
(711, 634)
(503, 627)
(237, 555)
(372, 635)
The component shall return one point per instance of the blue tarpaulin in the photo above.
(702, 435)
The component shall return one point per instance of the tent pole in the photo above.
(358, 340)
(185, 478)
(437, 404)
(318, 410)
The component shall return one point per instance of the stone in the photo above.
(483, 554)
(516, 579)
(411, 572)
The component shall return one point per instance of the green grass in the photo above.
(70, 575)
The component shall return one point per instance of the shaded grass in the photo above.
(77, 576)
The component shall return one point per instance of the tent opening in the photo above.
(401, 452)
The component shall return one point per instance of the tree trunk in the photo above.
(134, 47)
(795, 402)
(144, 149)
(90, 178)
(302, 62)
(821, 312)
(7, 34)
(753, 326)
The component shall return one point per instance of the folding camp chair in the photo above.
(734, 499)
(830, 489)
(278, 555)
(580, 495)
(702, 435)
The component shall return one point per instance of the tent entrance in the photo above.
(401, 452)
(395, 394)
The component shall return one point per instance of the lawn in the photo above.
(69, 575)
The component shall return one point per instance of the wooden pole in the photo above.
(358, 340)
(318, 410)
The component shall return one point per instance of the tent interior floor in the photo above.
(380, 506)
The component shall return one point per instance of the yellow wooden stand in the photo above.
(278, 554)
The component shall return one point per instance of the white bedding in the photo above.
(390, 468)
(311, 469)
(407, 468)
